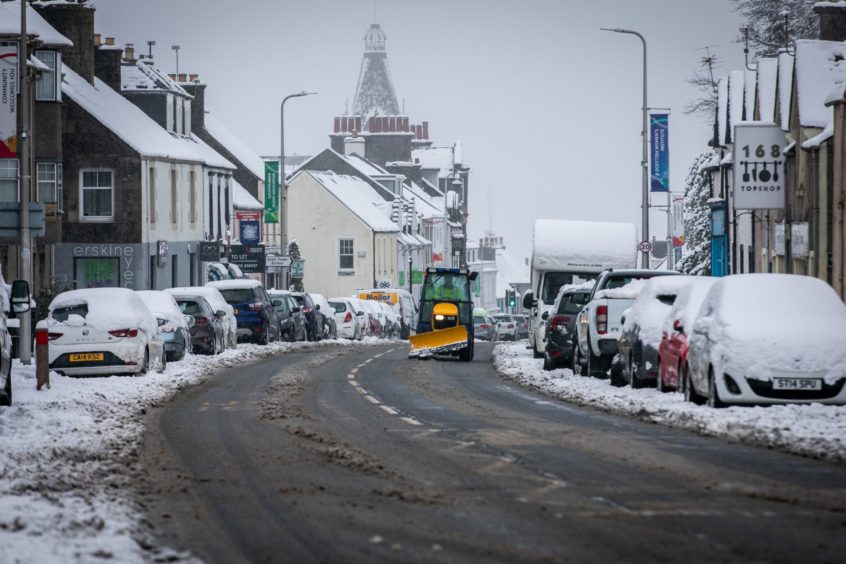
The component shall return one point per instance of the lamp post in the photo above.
(176, 50)
(283, 192)
(643, 163)
(410, 287)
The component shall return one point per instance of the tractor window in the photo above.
(446, 286)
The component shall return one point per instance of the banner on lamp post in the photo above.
(8, 100)
(678, 220)
(271, 192)
(660, 152)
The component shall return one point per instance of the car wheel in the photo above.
(659, 382)
(713, 396)
(467, 354)
(146, 365)
(7, 399)
(690, 394)
(634, 381)
(535, 352)
(265, 333)
(548, 363)
(162, 364)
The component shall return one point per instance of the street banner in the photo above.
(758, 167)
(250, 232)
(271, 192)
(8, 100)
(678, 220)
(660, 153)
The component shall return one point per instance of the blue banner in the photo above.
(660, 153)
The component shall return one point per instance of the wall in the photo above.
(165, 228)
(317, 220)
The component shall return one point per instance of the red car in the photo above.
(672, 352)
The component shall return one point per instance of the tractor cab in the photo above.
(445, 324)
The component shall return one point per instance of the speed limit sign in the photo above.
(645, 247)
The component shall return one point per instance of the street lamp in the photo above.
(283, 212)
(176, 50)
(410, 288)
(643, 163)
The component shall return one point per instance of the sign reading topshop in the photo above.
(758, 169)
(271, 192)
(249, 258)
(660, 153)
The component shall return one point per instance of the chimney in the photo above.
(76, 22)
(832, 20)
(172, 76)
(183, 78)
(110, 41)
(354, 145)
(97, 40)
(193, 77)
(425, 130)
(198, 105)
(129, 52)
(107, 66)
(337, 125)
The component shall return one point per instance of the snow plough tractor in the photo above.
(445, 322)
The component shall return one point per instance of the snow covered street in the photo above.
(817, 431)
(67, 455)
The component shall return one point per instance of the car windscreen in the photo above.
(62, 313)
(447, 286)
(189, 307)
(235, 296)
(339, 307)
(552, 282)
(573, 303)
(504, 318)
(620, 281)
(478, 320)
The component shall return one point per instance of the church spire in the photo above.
(375, 93)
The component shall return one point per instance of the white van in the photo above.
(572, 252)
(400, 300)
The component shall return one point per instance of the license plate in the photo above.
(797, 384)
(86, 357)
(235, 312)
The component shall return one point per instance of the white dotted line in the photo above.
(372, 399)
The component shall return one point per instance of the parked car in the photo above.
(506, 327)
(641, 333)
(483, 327)
(314, 321)
(402, 303)
(375, 314)
(217, 303)
(209, 330)
(672, 352)
(254, 312)
(103, 331)
(768, 338)
(361, 316)
(18, 301)
(346, 319)
(327, 312)
(522, 322)
(393, 328)
(292, 324)
(560, 337)
(174, 327)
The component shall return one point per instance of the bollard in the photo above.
(42, 356)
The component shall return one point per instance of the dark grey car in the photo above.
(483, 328)
(560, 333)
(208, 334)
(292, 325)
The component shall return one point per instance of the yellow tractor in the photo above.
(445, 324)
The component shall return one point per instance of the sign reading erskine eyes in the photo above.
(758, 176)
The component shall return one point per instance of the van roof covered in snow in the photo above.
(587, 246)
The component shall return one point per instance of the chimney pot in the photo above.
(832, 21)
(183, 77)
(194, 77)
(129, 52)
(110, 41)
(97, 40)
(172, 76)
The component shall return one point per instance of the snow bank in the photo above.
(814, 430)
(67, 456)
(583, 245)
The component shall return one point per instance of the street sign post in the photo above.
(758, 166)
(645, 247)
(277, 261)
(297, 268)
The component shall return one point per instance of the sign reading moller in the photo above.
(758, 166)
(660, 176)
(8, 100)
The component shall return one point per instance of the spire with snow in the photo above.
(375, 93)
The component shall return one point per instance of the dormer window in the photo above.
(170, 112)
(180, 112)
(187, 111)
(48, 87)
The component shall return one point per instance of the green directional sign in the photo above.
(271, 192)
(297, 267)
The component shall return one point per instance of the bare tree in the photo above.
(705, 106)
(772, 25)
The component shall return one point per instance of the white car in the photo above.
(362, 316)
(322, 304)
(103, 331)
(506, 327)
(217, 302)
(347, 319)
(175, 330)
(392, 320)
(377, 314)
(768, 338)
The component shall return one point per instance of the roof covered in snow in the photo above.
(767, 73)
(142, 75)
(243, 200)
(246, 156)
(820, 67)
(583, 245)
(10, 24)
(440, 158)
(722, 109)
(749, 78)
(737, 81)
(133, 126)
(785, 88)
(358, 196)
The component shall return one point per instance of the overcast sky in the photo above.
(546, 105)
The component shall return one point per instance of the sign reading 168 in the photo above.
(761, 152)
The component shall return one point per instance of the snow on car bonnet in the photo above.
(108, 308)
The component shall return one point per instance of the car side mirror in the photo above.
(297, 310)
(528, 298)
(677, 326)
(189, 320)
(161, 321)
(20, 296)
(317, 307)
(623, 320)
(545, 315)
(220, 314)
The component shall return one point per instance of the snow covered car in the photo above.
(292, 325)
(672, 352)
(346, 319)
(14, 298)
(362, 317)
(174, 327)
(254, 312)
(392, 325)
(768, 338)
(217, 302)
(327, 312)
(641, 334)
(483, 327)
(208, 329)
(103, 331)
(374, 312)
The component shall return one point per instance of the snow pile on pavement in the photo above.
(814, 430)
(67, 456)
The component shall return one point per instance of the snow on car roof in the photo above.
(649, 312)
(107, 308)
(234, 284)
(587, 245)
(159, 302)
(688, 302)
(212, 295)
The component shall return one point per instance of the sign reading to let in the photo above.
(249, 258)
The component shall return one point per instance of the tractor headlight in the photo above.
(439, 318)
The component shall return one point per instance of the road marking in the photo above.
(371, 399)
(361, 390)
(354, 370)
(355, 384)
(378, 355)
(410, 421)
(390, 410)
(369, 360)
(350, 376)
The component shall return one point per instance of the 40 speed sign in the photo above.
(758, 166)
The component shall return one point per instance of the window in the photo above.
(48, 87)
(173, 197)
(102, 272)
(97, 195)
(169, 113)
(8, 180)
(346, 258)
(192, 205)
(49, 178)
(151, 195)
(187, 110)
(180, 108)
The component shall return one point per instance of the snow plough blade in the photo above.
(442, 341)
